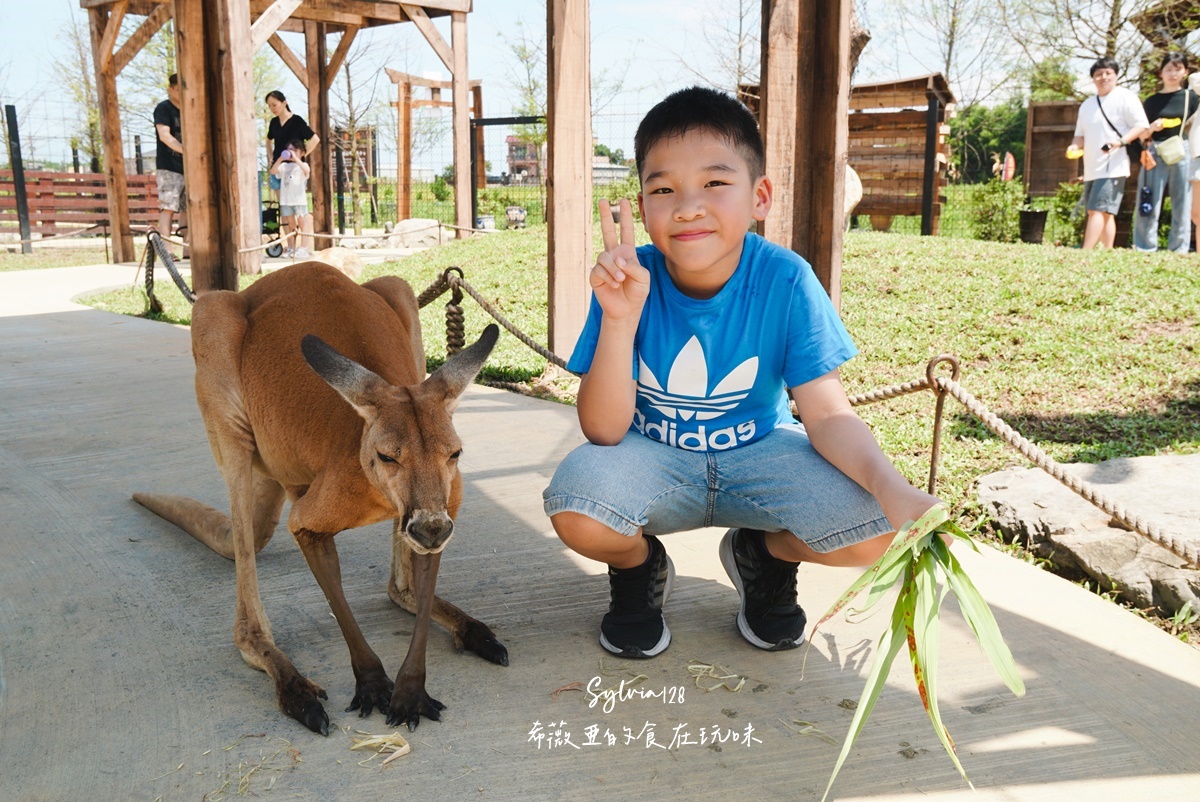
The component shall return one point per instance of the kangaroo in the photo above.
(313, 388)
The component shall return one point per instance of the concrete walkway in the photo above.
(119, 679)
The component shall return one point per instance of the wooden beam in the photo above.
(292, 61)
(110, 131)
(138, 39)
(425, 26)
(339, 55)
(268, 22)
(462, 125)
(397, 77)
(569, 177)
(111, 29)
(321, 181)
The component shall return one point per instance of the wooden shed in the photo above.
(899, 147)
(1048, 131)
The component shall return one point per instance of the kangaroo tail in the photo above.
(211, 527)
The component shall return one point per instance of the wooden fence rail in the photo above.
(62, 202)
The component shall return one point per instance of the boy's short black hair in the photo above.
(173, 79)
(699, 107)
(1105, 63)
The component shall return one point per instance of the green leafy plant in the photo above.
(440, 189)
(997, 204)
(1184, 617)
(1067, 208)
(916, 557)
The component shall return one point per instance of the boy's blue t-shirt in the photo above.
(713, 374)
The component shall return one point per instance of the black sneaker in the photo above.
(634, 625)
(769, 617)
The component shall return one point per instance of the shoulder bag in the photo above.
(1171, 150)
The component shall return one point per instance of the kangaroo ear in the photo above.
(353, 382)
(461, 369)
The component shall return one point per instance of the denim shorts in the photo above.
(1104, 194)
(299, 210)
(274, 181)
(776, 483)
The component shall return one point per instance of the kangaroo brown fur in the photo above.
(313, 388)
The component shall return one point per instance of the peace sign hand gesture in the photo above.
(619, 281)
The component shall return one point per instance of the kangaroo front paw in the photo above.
(479, 638)
(299, 699)
(372, 690)
(409, 703)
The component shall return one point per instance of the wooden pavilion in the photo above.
(803, 122)
(216, 41)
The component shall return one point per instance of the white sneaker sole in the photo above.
(664, 641)
(729, 562)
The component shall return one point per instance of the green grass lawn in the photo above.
(49, 256)
(1092, 355)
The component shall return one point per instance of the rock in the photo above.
(388, 225)
(418, 233)
(1030, 505)
(343, 259)
(853, 192)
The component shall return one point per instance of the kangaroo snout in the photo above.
(429, 532)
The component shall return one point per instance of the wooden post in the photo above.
(929, 183)
(18, 171)
(477, 113)
(110, 131)
(199, 165)
(569, 177)
(778, 121)
(404, 152)
(321, 181)
(462, 125)
(805, 128)
(234, 138)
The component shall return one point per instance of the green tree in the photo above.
(980, 131)
(1052, 79)
(75, 75)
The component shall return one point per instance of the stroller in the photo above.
(271, 228)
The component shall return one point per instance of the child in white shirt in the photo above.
(293, 175)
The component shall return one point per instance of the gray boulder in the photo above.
(1030, 505)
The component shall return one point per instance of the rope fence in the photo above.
(452, 280)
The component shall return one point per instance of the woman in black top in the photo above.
(1170, 102)
(285, 127)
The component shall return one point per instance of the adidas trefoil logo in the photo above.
(686, 398)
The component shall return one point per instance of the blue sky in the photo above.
(663, 30)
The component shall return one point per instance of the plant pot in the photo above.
(1033, 225)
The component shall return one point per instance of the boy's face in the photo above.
(1105, 80)
(697, 201)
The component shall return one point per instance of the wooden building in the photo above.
(898, 147)
(1049, 129)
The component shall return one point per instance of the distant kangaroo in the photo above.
(351, 436)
